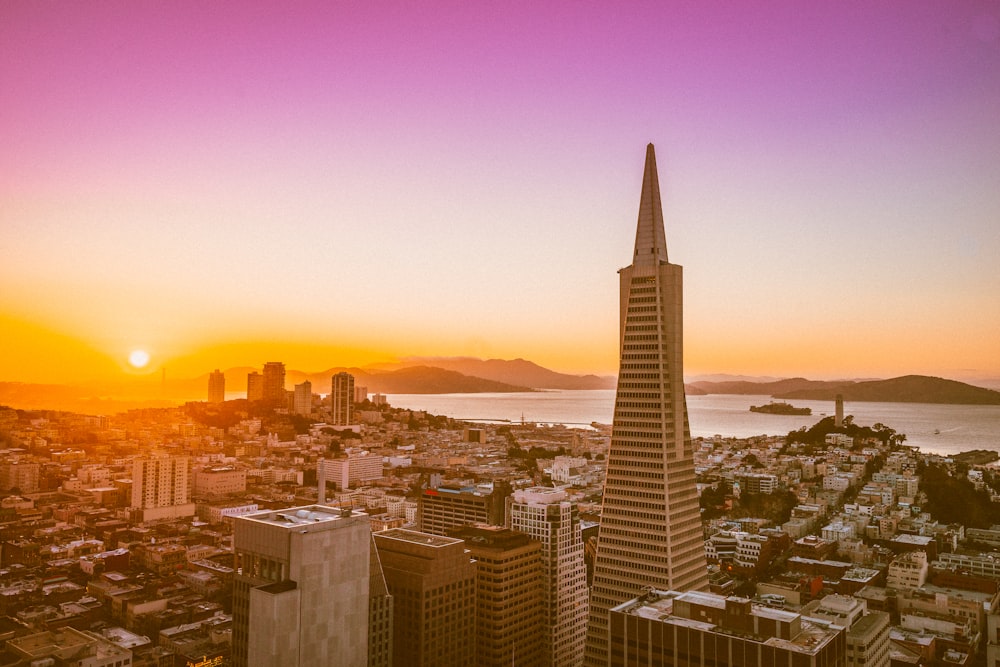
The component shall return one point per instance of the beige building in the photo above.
(301, 589)
(302, 399)
(274, 384)
(510, 615)
(216, 386)
(544, 514)
(907, 571)
(432, 582)
(219, 481)
(350, 471)
(342, 399)
(867, 631)
(160, 488)
(651, 532)
(68, 646)
(442, 509)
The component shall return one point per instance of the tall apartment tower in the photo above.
(161, 488)
(255, 386)
(510, 615)
(274, 384)
(650, 531)
(301, 589)
(303, 399)
(216, 386)
(342, 399)
(544, 514)
(432, 582)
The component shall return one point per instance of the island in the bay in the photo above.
(780, 408)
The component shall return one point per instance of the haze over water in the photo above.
(941, 429)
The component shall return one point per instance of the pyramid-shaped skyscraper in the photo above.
(650, 533)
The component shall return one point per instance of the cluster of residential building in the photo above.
(152, 536)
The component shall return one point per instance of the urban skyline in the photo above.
(345, 185)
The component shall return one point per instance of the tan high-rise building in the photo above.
(432, 582)
(650, 531)
(216, 386)
(274, 384)
(510, 615)
(161, 488)
(303, 400)
(255, 386)
(545, 514)
(342, 399)
(301, 591)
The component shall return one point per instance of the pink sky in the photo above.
(337, 183)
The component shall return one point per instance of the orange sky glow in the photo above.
(337, 185)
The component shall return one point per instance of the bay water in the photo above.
(934, 428)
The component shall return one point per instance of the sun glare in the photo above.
(138, 358)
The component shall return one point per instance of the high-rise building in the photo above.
(216, 386)
(510, 615)
(697, 629)
(342, 399)
(303, 401)
(432, 582)
(360, 394)
(274, 384)
(544, 514)
(379, 614)
(446, 507)
(301, 589)
(161, 488)
(255, 386)
(650, 531)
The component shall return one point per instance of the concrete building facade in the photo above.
(432, 582)
(303, 398)
(510, 615)
(301, 588)
(545, 515)
(651, 532)
(160, 488)
(444, 508)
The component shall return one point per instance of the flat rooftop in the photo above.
(414, 537)
(657, 605)
(299, 516)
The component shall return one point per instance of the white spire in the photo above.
(650, 240)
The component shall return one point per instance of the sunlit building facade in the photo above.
(650, 532)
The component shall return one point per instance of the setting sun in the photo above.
(138, 358)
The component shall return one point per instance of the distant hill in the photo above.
(767, 388)
(428, 380)
(905, 389)
(519, 372)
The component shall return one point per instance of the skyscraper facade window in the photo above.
(650, 532)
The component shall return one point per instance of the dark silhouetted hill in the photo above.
(518, 372)
(905, 389)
